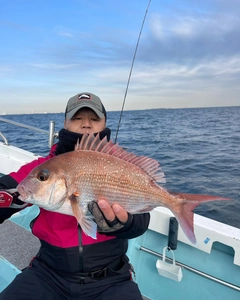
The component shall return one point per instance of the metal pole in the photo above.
(52, 134)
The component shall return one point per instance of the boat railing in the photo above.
(4, 138)
(51, 132)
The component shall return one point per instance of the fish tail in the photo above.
(184, 213)
(87, 224)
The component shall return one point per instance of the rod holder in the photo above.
(173, 233)
(52, 134)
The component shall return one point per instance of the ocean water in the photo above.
(198, 149)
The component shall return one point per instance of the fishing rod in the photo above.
(130, 73)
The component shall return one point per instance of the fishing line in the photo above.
(130, 73)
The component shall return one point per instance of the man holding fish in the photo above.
(83, 254)
(77, 258)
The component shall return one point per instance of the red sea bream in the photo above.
(98, 169)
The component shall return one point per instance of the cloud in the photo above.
(61, 31)
(191, 36)
(52, 66)
(188, 53)
(5, 70)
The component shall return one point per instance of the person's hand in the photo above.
(108, 218)
(111, 213)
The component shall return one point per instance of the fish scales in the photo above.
(98, 169)
(125, 185)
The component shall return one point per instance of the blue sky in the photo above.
(188, 55)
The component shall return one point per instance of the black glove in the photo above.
(103, 224)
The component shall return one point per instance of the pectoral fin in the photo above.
(87, 224)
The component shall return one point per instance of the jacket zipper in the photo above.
(80, 248)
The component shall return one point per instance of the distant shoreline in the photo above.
(127, 110)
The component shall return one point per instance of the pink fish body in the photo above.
(99, 169)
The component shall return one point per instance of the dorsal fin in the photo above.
(148, 165)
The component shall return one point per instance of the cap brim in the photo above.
(72, 112)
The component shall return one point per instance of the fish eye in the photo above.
(43, 175)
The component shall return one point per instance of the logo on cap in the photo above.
(84, 97)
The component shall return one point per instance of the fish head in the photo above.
(53, 186)
(46, 186)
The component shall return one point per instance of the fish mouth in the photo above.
(24, 194)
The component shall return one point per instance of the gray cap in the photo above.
(85, 100)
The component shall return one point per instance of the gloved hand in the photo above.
(103, 224)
